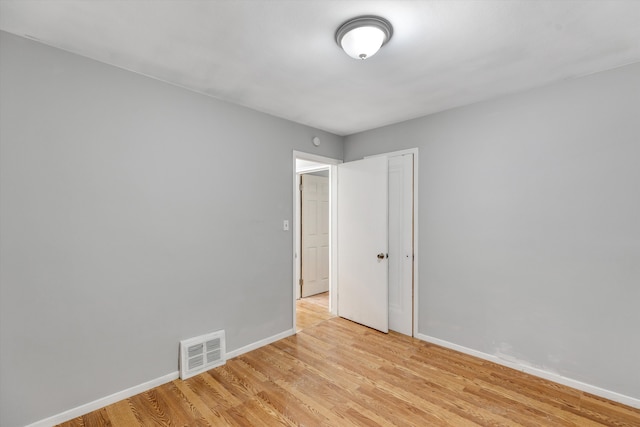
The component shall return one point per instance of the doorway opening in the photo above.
(314, 187)
(400, 251)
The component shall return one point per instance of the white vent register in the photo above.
(201, 353)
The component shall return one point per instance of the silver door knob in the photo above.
(380, 256)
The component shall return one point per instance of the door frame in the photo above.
(333, 181)
(413, 151)
(333, 214)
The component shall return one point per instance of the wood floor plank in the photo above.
(96, 419)
(549, 412)
(290, 407)
(243, 415)
(321, 366)
(536, 388)
(209, 412)
(237, 386)
(605, 412)
(147, 409)
(266, 414)
(76, 422)
(403, 413)
(215, 393)
(338, 373)
(121, 414)
(442, 405)
(267, 361)
(360, 416)
(308, 397)
(179, 407)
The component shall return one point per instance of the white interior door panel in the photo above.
(363, 289)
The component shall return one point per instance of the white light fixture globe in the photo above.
(362, 37)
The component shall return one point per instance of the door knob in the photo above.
(381, 256)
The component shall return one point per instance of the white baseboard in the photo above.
(102, 402)
(261, 343)
(141, 388)
(611, 395)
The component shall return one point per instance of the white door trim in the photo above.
(333, 237)
(416, 282)
(311, 170)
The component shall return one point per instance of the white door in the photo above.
(401, 244)
(315, 234)
(363, 291)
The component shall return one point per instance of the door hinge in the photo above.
(301, 282)
(301, 187)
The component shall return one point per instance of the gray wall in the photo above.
(530, 226)
(128, 225)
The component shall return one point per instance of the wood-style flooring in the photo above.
(312, 310)
(338, 373)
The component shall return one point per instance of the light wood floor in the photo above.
(338, 373)
(312, 310)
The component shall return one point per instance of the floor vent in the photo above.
(201, 353)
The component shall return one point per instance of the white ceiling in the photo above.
(280, 57)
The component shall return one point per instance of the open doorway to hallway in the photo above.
(313, 251)
(401, 179)
(312, 255)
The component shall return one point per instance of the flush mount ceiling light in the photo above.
(362, 37)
